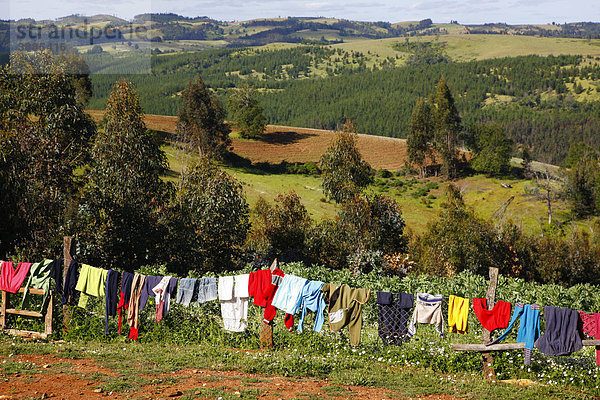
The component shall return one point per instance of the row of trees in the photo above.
(104, 184)
(381, 102)
(436, 130)
(63, 175)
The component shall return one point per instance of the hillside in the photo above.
(420, 198)
(544, 101)
(540, 82)
(295, 144)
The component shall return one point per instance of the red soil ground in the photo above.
(59, 378)
(296, 144)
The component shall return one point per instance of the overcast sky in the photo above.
(464, 11)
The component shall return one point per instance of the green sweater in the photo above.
(345, 308)
(39, 278)
(91, 282)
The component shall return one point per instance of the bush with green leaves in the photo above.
(201, 121)
(373, 223)
(284, 226)
(247, 113)
(207, 221)
(583, 187)
(492, 147)
(363, 224)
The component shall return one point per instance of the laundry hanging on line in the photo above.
(297, 294)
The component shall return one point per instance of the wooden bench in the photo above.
(486, 351)
(47, 315)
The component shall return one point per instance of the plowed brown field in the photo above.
(296, 144)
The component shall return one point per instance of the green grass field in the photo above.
(462, 47)
(260, 184)
(420, 199)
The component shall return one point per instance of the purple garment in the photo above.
(562, 336)
(149, 284)
(126, 286)
(112, 297)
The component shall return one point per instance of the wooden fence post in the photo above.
(67, 257)
(488, 359)
(266, 329)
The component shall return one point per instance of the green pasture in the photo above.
(464, 47)
(420, 199)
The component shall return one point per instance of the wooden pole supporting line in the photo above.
(488, 359)
(67, 258)
(47, 315)
(266, 329)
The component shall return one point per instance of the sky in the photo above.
(440, 11)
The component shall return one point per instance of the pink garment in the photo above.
(159, 290)
(591, 327)
(11, 279)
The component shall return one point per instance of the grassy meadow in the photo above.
(420, 199)
(464, 47)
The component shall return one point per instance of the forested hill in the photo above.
(543, 102)
(532, 97)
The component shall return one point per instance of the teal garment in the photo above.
(38, 278)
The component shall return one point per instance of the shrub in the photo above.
(366, 260)
(364, 224)
(283, 225)
(208, 220)
(344, 171)
(384, 173)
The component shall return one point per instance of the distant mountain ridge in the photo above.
(171, 26)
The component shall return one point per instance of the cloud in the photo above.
(465, 11)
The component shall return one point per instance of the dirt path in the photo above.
(49, 377)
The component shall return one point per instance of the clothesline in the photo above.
(273, 290)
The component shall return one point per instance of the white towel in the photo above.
(241, 285)
(225, 288)
(234, 297)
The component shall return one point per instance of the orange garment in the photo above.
(133, 308)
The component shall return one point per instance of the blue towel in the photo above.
(312, 299)
(529, 328)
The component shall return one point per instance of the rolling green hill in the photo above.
(545, 103)
(420, 198)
